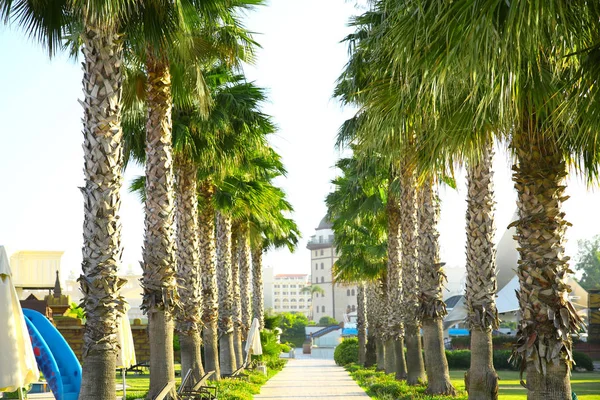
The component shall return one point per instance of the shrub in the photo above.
(272, 321)
(346, 352)
(461, 359)
(285, 348)
(458, 359)
(392, 389)
(501, 360)
(582, 360)
(325, 320)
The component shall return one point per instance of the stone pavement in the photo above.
(315, 379)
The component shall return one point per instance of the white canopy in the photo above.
(18, 367)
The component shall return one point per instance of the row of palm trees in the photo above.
(162, 86)
(436, 84)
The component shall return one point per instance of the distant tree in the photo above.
(293, 328)
(326, 320)
(312, 289)
(588, 262)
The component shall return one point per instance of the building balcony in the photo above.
(319, 242)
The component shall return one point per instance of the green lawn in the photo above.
(238, 389)
(585, 384)
(383, 387)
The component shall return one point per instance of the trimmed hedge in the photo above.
(582, 360)
(346, 352)
(461, 359)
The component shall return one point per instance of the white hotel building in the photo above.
(339, 299)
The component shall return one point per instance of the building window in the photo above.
(315, 252)
(322, 279)
(285, 292)
(322, 266)
(316, 294)
(321, 251)
(348, 292)
(276, 286)
(353, 308)
(275, 293)
(353, 292)
(322, 308)
(316, 266)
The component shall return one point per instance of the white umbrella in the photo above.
(126, 355)
(18, 367)
(253, 346)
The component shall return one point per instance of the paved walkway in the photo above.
(315, 379)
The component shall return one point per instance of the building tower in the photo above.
(339, 299)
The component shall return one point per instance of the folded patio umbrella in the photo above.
(126, 355)
(253, 345)
(18, 367)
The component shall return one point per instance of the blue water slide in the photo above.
(54, 356)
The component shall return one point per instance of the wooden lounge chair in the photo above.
(139, 368)
(198, 391)
(165, 391)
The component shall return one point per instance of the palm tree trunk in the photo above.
(432, 308)
(188, 316)
(401, 372)
(103, 160)
(237, 306)
(210, 310)
(372, 317)
(394, 328)
(258, 304)
(361, 322)
(410, 277)
(380, 292)
(481, 380)
(226, 348)
(380, 354)
(160, 287)
(245, 278)
(390, 356)
(547, 317)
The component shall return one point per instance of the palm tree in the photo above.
(358, 213)
(236, 292)
(517, 86)
(99, 33)
(271, 230)
(177, 40)
(481, 380)
(227, 358)
(312, 290)
(432, 307)
(245, 268)
(188, 322)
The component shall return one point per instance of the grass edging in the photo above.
(380, 386)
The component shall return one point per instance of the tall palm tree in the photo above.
(227, 358)
(188, 322)
(518, 87)
(179, 27)
(245, 268)
(98, 27)
(236, 292)
(270, 230)
(432, 307)
(358, 214)
(312, 290)
(481, 380)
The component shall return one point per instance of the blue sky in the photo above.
(41, 159)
